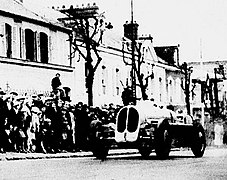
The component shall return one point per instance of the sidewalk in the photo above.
(22, 156)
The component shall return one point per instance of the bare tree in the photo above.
(136, 62)
(186, 85)
(88, 28)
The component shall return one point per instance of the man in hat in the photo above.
(55, 82)
(4, 140)
(13, 122)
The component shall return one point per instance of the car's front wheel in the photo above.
(162, 141)
(98, 145)
(145, 149)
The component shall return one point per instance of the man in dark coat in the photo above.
(4, 140)
(13, 123)
(56, 83)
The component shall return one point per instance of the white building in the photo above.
(33, 48)
(113, 74)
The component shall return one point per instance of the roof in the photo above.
(34, 14)
(112, 38)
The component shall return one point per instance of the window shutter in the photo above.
(14, 42)
(113, 81)
(35, 46)
(50, 50)
(38, 47)
(23, 49)
(2, 40)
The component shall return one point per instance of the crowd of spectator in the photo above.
(47, 124)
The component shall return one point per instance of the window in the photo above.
(30, 44)
(117, 82)
(104, 78)
(170, 89)
(43, 48)
(178, 90)
(20, 43)
(160, 89)
(8, 32)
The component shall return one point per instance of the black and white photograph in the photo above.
(113, 89)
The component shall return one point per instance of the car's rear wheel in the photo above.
(199, 141)
(162, 141)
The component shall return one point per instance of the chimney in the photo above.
(131, 30)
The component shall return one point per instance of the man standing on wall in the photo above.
(56, 86)
(56, 83)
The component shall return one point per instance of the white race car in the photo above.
(147, 127)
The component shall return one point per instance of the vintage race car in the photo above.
(147, 127)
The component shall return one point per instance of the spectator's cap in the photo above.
(80, 103)
(20, 98)
(34, 96)
(67, 88)
(47, 120)
(218, 120)
(14, 93)
(40, 95)
(64, 108)
(48, 99)
(35, 110)
(2, 92)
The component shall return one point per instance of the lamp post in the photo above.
(130, 32)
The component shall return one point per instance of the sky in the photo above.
(198, 26)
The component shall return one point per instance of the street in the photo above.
(180, 165)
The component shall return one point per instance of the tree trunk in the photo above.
(89, 82)
(90, 89)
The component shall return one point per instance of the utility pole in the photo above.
(133, 74)
(202, 100)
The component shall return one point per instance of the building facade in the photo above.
(113, 74)
(33, 49)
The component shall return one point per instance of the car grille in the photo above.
(133, 118)
(129, 117)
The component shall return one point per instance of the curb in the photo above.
(8, 156)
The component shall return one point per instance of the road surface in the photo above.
(181, 165)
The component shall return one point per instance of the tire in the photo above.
(100, 150)
(199, 141)
(162, 141)
(98, 146)
(145, 149)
